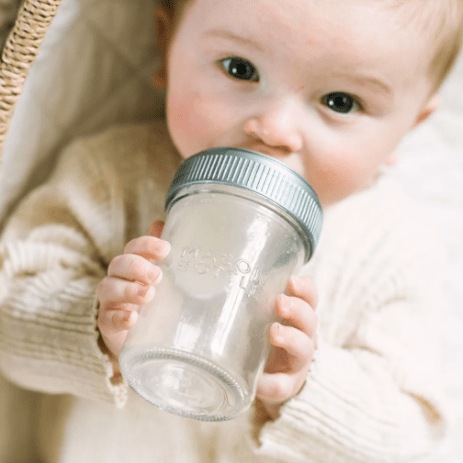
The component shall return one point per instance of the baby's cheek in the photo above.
(337, 175)
(181, 115)
(189, 123)
(198, 121)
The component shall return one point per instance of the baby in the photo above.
(330, 98)
(327, 87)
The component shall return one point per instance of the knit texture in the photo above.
(372, 394)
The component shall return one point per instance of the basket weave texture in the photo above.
(19, 52)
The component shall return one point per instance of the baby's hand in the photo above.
(129, 285)
(293, 346)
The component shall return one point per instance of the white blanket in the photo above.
(431, 165)
(95, 69)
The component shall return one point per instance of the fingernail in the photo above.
(287, 301)
(278, 337)
(153, 273)
(158, 278)
(142, 290)
(166, 249)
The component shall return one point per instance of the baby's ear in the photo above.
(432, 104)
(164, 23)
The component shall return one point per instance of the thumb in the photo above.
(156, 228)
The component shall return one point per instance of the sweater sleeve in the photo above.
(373, 392)
(53, 253)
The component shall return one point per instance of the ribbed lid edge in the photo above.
(256, 172)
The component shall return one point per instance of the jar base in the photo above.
(184, 384)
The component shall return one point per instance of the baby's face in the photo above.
(328, 87)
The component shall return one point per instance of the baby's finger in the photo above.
(275, 387)
(298, 313)
(148, 247)
(156, 228)
(113, 326)
(114, 291)
(134, 268)
(113, 321)
(304, 287)
(296, 343)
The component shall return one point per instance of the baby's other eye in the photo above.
(341, 102)
(240, 68)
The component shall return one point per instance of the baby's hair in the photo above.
(441, 25)
(440, 21)
(168, 4)
(449, 33)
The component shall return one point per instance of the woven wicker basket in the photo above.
(19, 52)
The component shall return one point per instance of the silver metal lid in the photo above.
(259, 173)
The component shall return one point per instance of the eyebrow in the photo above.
(373, 81)
(228, 35)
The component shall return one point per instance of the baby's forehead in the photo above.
(424, 28)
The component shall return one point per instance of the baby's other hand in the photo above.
(293, 346)
(128, 286)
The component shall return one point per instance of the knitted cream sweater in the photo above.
(371, 395)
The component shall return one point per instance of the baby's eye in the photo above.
(340, 102)
(240, 68)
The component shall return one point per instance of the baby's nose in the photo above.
(277, 126)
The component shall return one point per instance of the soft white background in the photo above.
(95, 69)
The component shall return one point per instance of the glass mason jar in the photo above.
(240, 224)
